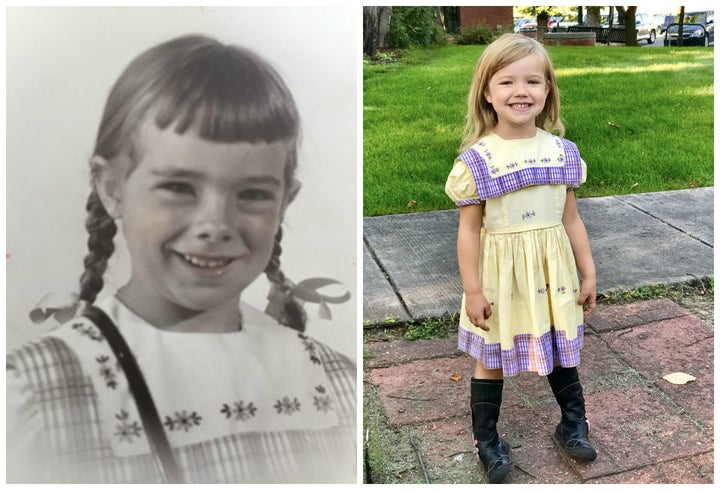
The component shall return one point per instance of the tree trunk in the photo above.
(370, 31)
(384, 14)
(376, 25)
(593, 16)
(630, 27)
(542, 25)
(681, 26)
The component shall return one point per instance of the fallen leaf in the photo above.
(411, 203)
(634, 185)
(679, 378)
(455, 377)
(692, 184)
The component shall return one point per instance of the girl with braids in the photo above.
(169, 379)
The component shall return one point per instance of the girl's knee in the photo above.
(481, 372)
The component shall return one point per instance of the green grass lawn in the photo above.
(659, 102)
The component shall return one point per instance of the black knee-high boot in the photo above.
(494, 453)
(572, 431)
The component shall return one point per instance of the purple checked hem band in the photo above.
(570, 173)
(529, 353)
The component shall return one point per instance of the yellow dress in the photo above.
(527, 267)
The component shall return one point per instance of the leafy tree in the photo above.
(415, 27)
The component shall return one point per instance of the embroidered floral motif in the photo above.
(558, 143)
(323, 403)
(310, 347)
(561, 158)
(127, 430)
(546, 160)
(542, 290)
(107, 372)
(240, 411)
(88, 331)
(493, 169)
(530, 161)
(182, 421)
(528, 214)
(511, 165)
(287, 406)
(562, 290)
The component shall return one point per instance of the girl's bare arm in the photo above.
(468, 250)
(575, 229)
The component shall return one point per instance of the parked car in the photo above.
(529, 29)
(662, 22)
(698, 29)
(644, 24)
(521, 22)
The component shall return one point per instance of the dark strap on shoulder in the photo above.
(159, 443)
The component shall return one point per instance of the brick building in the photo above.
(490, 17)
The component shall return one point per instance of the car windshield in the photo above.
(692, 18)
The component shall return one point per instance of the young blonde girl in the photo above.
(172, 379)
(521, 244)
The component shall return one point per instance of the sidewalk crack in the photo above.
(387, 276)
(665, 222)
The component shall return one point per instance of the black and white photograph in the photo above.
(181, 252)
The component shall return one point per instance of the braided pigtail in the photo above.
(283, 305)
(101, 228)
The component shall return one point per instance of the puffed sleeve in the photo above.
(460, 185)
(26, 445)
(583, 178)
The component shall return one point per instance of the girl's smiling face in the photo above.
(199, 218)
(517, 93)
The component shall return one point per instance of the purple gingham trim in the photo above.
(570, 173)
(528, 353)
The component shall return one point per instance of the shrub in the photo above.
(476, 34)
(415, 27)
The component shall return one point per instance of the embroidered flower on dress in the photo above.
(287, 406)
(542, 290)
(562, 290)
(310, 347)
(183, 421)
(511, 165)
(323, 403)
(240, 411)
(88, 331)
(528, 214)
(127, 430)
(561, 158)
(545, 160)
(107, 372)
(530, 161)
(493, 169)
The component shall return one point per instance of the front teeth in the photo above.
(206, 263)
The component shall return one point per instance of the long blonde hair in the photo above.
(507, 49)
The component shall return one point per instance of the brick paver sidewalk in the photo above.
(645, 429)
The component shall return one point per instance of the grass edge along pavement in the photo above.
(414, 110)
(389, 455)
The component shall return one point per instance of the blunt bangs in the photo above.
(227, 94)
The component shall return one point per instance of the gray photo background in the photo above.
(61, 63)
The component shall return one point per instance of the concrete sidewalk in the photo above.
(646, 429)
(410, 265)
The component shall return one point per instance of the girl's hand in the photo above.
(587, 296)
(477, 309)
